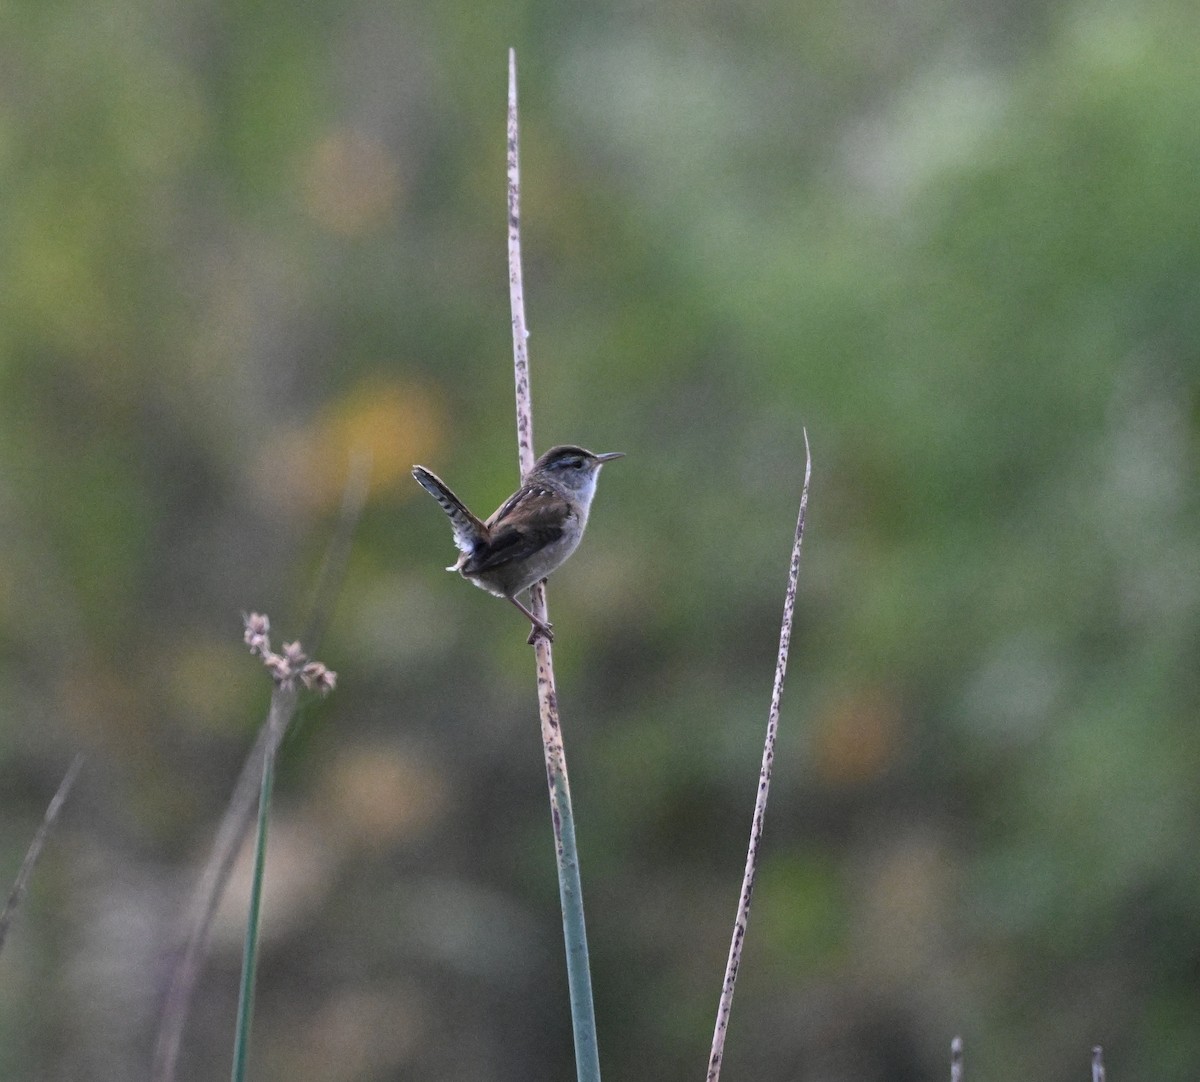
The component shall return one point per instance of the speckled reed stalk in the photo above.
(583, 1014)
(764, 784)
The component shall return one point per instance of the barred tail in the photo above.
(468, 530)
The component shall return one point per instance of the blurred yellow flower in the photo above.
(858, 737)
(393, 423)
(350, 183)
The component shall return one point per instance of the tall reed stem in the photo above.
(725, 1005)
(570, 890)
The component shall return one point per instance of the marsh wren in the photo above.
(531, 533)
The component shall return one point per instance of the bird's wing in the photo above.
(469, 532)
(532, 518)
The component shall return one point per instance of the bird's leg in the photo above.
(539, 627)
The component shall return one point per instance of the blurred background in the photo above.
(957, 241)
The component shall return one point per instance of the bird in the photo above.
(530, 534)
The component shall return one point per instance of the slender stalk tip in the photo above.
(583, 1013)
(725, 1004)
(35, 847)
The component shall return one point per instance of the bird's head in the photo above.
(572, 467)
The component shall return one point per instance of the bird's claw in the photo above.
(539, 630)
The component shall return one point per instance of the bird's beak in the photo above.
(609, 456)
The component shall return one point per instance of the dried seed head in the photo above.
(317, 678)
(290, 665)
(255, 635)
(280, 669)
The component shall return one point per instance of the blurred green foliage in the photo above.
(239, 242)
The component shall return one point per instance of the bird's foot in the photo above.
(540, 630)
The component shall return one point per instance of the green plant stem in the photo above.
(570, 888)
(241, 1042)
(579, 980)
